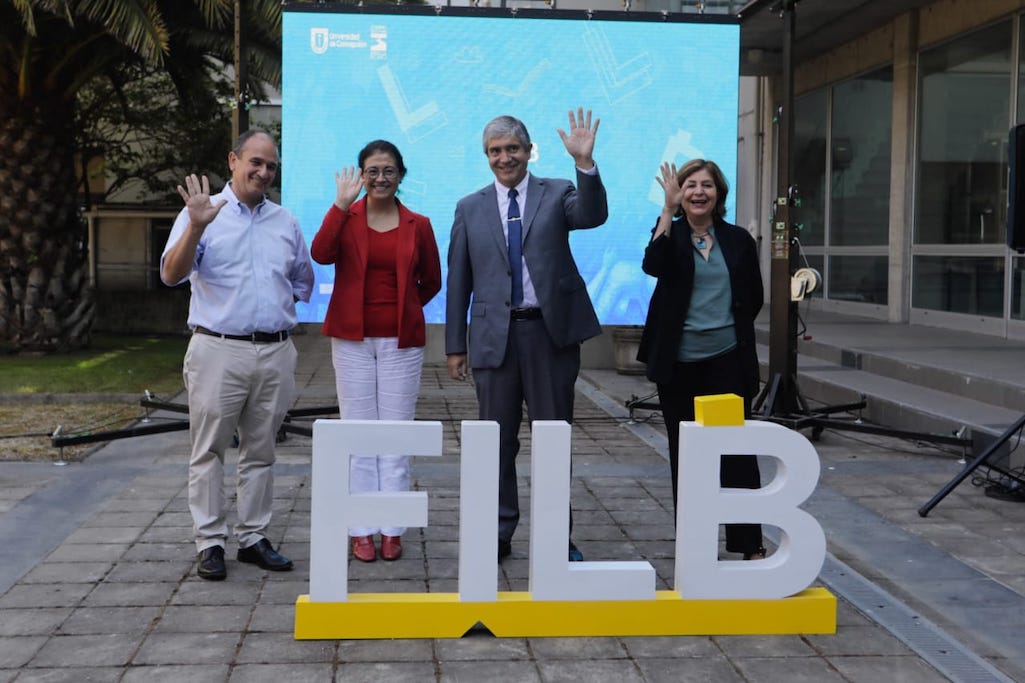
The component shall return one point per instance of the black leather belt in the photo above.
(255, 337)
(525, 314)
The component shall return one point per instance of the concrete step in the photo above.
(893, 402)
(971, 369)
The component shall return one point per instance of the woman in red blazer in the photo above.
(386, 269)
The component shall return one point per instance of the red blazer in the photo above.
(342, 240)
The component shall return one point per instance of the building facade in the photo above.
(900, 156)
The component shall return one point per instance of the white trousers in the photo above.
(235, 385)
(376, 380)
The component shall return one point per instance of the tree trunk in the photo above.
(46, 299)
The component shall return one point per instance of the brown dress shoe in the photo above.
(391, 547)
(363, 548)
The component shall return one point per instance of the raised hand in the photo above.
(196, 194)
(348, 183)
(671, 186)
(580, 140)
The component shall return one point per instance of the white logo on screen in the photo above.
(318, 40)
(379, 34)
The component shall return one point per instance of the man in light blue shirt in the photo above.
(248, 264)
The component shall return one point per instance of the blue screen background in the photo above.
(429, 84)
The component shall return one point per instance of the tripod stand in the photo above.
(979, 460)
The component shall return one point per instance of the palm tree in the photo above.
(50, 51)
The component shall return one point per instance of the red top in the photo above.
(381, 296)
(344, 240)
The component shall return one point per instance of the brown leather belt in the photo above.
(525, 314)
(255, 337)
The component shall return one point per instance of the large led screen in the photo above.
(428, 79)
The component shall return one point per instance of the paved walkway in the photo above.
(97, 572)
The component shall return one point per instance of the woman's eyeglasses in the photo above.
(388, 173)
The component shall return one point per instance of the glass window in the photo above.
(959, 284)
(860, 151)
(858, 278)
(1017, 288)
(964, 105)
(809, 167)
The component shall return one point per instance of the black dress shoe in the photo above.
(211, 564)
(264, 556)
(574, 553)
(504, 549)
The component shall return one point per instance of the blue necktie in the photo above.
(515, 225)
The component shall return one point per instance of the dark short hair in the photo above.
(383, 147)
(500, 126)
(722, 188)
(247, 136)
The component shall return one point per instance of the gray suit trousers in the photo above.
(538, 372)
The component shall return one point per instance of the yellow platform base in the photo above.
(515, 614)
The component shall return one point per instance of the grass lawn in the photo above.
(115, 364)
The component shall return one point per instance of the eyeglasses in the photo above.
(388, 173)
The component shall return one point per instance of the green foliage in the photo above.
(149, 139)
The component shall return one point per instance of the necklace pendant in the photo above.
(701, 243)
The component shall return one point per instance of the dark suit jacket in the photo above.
(478, 266)
(343, 240)
(671, 260)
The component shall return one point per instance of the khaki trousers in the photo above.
(235, 386)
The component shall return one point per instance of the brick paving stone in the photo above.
(481, 647)
(45, 595)
(591, 670)
(92, 674)
(393, 672)
(704, 669)
(656, 647)
(283, 592)
(106, 534)
(277, 673)
(858, 640)
(134, 572)
(790, 647)
(15, 651)
(385, 650)
(203, 618)
(74, 651)
(105, 620)
(271, 648)
(577, 648)
(152, 552)
(178, 519)
(97, 552)
(166, 534)
(272, 618)
(120, 519)
(789, 669)
(69, 572)
(491, 671)
(34, 621)
(177, 673)
(873, 669)
(234, 591)
(194, 648)
(130, 594)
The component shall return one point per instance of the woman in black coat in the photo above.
(699, 335)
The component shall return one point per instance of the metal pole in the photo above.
(782, 311)
(240, 113)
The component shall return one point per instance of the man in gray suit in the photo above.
(530, 308)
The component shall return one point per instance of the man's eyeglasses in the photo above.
(388, 173)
